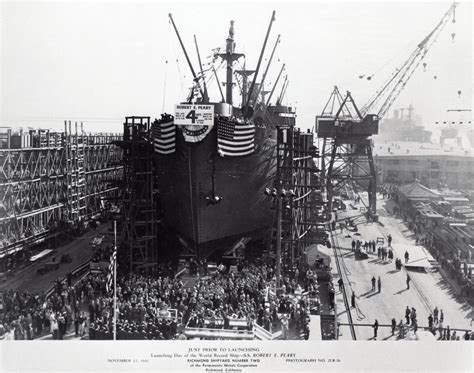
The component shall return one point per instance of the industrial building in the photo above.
(432, 164)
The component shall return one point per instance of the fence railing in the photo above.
(208, 333)
(78, 274)
(265, 335)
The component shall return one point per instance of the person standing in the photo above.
(379, 283)
(413, 314)
(353, 300)
(430, 322)
(331, 297)
(76, 323)
(441, 330)
(284, 327)
(373, 283)
(441, 316)
(394, 325)
(340, 282)
(407, 315)
(407, 256)
(389, 238)
(408, 281)
(376, 328)
(401, 330)
(54, 327)
(435, 314)
(353, 245)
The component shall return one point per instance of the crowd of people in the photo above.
(247, 295)
(26, 316)
(435, 326)
(159, 306)
(145, 304)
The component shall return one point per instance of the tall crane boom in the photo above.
(390, 90)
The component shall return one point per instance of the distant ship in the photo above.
(213, 198)
(402, 128)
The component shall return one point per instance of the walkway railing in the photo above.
(265, 335)
(78, 274)
(208, 333)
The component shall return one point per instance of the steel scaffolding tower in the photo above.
(45, 180)
(140, 195)
(298, 221)
(347, 149)
(75, 176)
(103, 171)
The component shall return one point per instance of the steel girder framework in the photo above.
(350, 164)
(347, 162)
(36, 173)
(140, 195)
(103, 169)
(297, 184)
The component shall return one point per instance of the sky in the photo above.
(97, 62)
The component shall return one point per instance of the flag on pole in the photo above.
(235, 139)
(110, 274)
(164, 134)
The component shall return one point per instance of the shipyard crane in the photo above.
(383, 99)
(346, 131)
(347, 149)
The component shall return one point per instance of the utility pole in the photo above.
(115, 280)
(278, 240)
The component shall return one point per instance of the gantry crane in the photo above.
(347, 146)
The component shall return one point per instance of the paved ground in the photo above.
(80, 251)
(428, 288)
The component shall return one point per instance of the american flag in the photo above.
(164, 134)
(110, 274)
(235, 139)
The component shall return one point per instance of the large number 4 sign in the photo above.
(192, 115)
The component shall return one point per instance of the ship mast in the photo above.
(229, 56)
(245, 79)
(196, 79)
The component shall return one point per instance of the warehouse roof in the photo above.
(417, 191)
(413, 148)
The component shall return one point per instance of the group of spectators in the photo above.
(144, 304)
(26, 316)
(160, 306)
(248, 295)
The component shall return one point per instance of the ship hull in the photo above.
(195, 172)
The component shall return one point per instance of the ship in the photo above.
(215, 203)
(403, 128)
